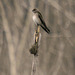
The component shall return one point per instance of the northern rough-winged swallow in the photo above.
(38, 20)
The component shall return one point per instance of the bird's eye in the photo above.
(34, 10)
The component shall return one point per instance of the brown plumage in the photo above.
(38, 19)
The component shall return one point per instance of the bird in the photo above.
(39, 21)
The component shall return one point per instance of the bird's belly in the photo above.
(36, 19)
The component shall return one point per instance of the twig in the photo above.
(34, 50)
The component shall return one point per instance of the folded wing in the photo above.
(43, 25)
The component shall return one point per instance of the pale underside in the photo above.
(36, 19)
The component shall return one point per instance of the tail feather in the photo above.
(43, 23)
(46, 29)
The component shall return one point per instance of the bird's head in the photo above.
(34, 10)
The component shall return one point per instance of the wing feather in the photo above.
(43, 25)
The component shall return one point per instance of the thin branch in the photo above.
(34, 50)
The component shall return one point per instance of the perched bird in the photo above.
(38, 20)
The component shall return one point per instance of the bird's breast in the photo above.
(36, 19)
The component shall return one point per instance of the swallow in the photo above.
(38, 20)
